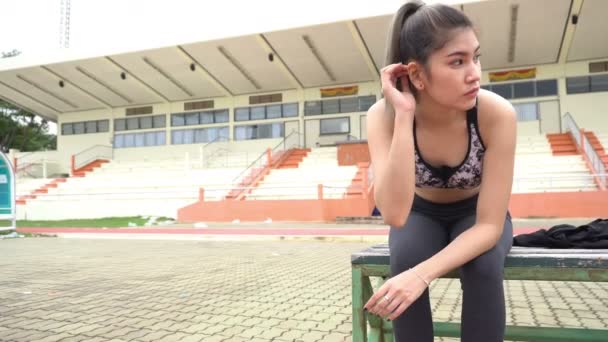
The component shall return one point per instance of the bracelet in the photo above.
(419, 277)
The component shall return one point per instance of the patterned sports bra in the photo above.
(467, 175)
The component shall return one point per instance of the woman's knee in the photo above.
(487, 267)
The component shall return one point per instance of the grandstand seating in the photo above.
(161, 187)
(123, 188)
(537, 169)
(320, 166)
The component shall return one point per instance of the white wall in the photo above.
(588, 110)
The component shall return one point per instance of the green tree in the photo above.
(23, 130)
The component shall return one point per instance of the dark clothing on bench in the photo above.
(429, 228)
(591, 235)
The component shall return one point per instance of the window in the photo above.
(312, 107)
(192, 119)
(197, 135)
(67, 129)
(150, 138)
(178, 120)
(257, 113)
(130, 140)
(290, 110)
(578, 85)
(335, 126)
(599, 83)
(120, 125)
(523, 89)
(341, 105)
(546, 88)
(331, 106)
(159, 121)
(274, 111)
(119, 140)
(365, 102)
(79, 128)
(206, 118)
(266, 131)
(517, 90)
(241, 114)
(526, 111)
(145, 123)
(349, 105)
(90, 127)
(221, 116)
(199, 118)
(177, 137)
(503, 90)
(132, 123)
(143, 139)
(140, 140)
(188, 136)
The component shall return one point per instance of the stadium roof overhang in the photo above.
(341, 52)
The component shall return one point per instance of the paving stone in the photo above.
(227, 291)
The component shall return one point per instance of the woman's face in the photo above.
(455, 72)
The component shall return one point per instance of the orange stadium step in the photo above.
(91, 166)
(355, 190)
(562, 144)
(293, 159)
(283, 160)
(44, 189)
(595, 142)
(597, 146)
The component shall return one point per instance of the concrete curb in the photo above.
(225, 237)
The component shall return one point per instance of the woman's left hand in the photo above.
(396, 295)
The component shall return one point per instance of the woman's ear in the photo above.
(415, 75)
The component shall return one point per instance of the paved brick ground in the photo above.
(146, 290)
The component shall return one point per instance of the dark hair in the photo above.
(417, 30)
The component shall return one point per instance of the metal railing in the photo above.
(292, 140)
(572, 128)
(205, 156)
(33, 164)
(596, 162)
(583, 143)
(91, 154)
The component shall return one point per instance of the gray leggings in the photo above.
(429, 228)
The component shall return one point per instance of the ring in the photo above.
(386, 298)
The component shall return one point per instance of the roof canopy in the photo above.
(341, 52)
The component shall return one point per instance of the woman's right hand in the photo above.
(402, 101)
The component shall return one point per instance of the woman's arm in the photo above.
(391, 147)
(495, 191)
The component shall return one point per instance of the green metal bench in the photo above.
(521, 264)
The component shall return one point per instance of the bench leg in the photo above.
(380, 330)
(360, 296)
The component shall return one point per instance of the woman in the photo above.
(442, 153)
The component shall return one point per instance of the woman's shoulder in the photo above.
(381, 111)
(494, 114)
(490, 104)
(378, 107)
(492, 107)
